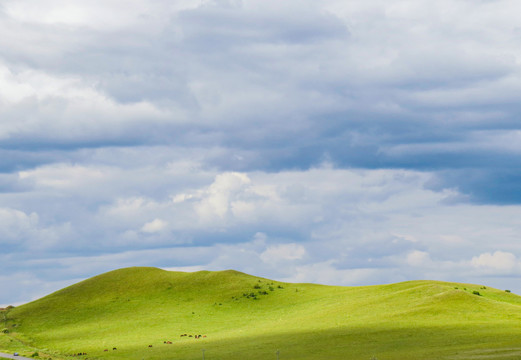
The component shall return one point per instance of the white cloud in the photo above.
(42, 107)
(102, 15)
(62, 176)
(20, 230)
(418, 259)
(154, 226)
(497, 262)
(283, 252)
(216, 199)
(16, 226)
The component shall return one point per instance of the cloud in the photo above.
(351, 227)
(418, 258)
(16, 224)
(19, 230)
(211, 74)
(283, 252)
(341, 142)
(500, 261)
(216, 199)
(154, 226)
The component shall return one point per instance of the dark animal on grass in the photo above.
(106, 350)
(114, 348)
(149, 345)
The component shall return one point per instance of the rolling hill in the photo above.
(239, 316)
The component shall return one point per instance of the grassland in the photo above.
(246, 317)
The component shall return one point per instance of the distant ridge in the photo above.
(240, 316)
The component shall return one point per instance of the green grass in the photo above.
(135, 307)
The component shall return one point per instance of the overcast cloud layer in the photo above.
(341, 142)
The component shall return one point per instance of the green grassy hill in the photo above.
(245, 317)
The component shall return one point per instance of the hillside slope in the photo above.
(241, 316)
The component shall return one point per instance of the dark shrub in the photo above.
(475, 292)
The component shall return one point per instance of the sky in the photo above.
(337, 142)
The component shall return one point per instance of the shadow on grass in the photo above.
(400, 342)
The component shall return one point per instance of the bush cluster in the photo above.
(250, 295)
(260, 290)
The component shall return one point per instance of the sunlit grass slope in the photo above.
(246, 317)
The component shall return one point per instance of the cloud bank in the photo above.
(342, 143)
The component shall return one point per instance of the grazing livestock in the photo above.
(106, 350)
(114, 348)
(149, 345)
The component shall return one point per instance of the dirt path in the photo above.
(11, 356)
